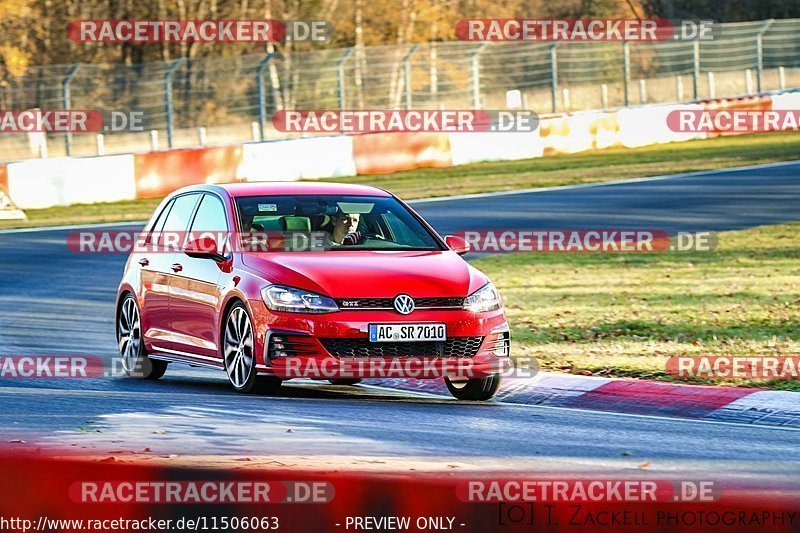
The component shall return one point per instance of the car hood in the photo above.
(370, 274)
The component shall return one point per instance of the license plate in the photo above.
(407, 332)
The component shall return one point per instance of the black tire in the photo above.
(267, 385)
(135, 360)
(244, 378)
(477, 389)
(345, 381)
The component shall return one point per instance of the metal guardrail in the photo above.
(231, 99)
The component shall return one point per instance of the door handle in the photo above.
(144, 262)
(177, 267)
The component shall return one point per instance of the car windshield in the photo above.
(349, 222)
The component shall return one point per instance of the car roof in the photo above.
(237, 190)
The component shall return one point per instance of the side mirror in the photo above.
(204, 247)
(458, 244)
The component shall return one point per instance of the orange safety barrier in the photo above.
(605, 130)
(573, 133)
(8, 210)
(554, 131)
(748, 103)
(159, 173)
(383, 153)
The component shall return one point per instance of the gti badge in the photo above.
(403, 304)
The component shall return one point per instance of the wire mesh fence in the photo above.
(217, 100)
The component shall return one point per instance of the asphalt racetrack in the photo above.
(55, 302)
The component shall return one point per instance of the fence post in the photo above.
(168, 97)
(781, 78)
(604, 96)
(66, 98)
(554, 76)
(262, 105)
(475, 60)
(626, 69)
(340, 76)
(696, 71)
(712, 90)
(407, 74)
(760, 54)
(679, 87)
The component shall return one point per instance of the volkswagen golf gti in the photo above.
(273, 281)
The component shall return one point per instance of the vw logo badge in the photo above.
(403, 304)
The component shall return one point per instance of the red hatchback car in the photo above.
(271, 281)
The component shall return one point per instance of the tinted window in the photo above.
(159, 223)
(178, 219)
(350, 222)
(400, 231)
(210, 215)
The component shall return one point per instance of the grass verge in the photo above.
(624, 315)
(605, 165)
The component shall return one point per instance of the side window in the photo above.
(210, 216)
(178, 220)
(159, 224)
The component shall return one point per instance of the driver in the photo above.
(344, 228)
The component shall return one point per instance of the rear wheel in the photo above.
(345, 381)
(239, 354)
(476, 389)
(135, 360)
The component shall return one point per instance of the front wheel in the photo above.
(134, 357)
(239, 355)
(476, 389)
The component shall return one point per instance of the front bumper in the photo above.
(300, 342)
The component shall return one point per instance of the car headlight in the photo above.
(281, 298)
(484, 299)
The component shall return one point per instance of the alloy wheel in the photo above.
(129, 334)
(238, 347)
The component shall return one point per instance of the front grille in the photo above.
(386, 303)
(363, 303)
(452, 347)
(439, 302)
